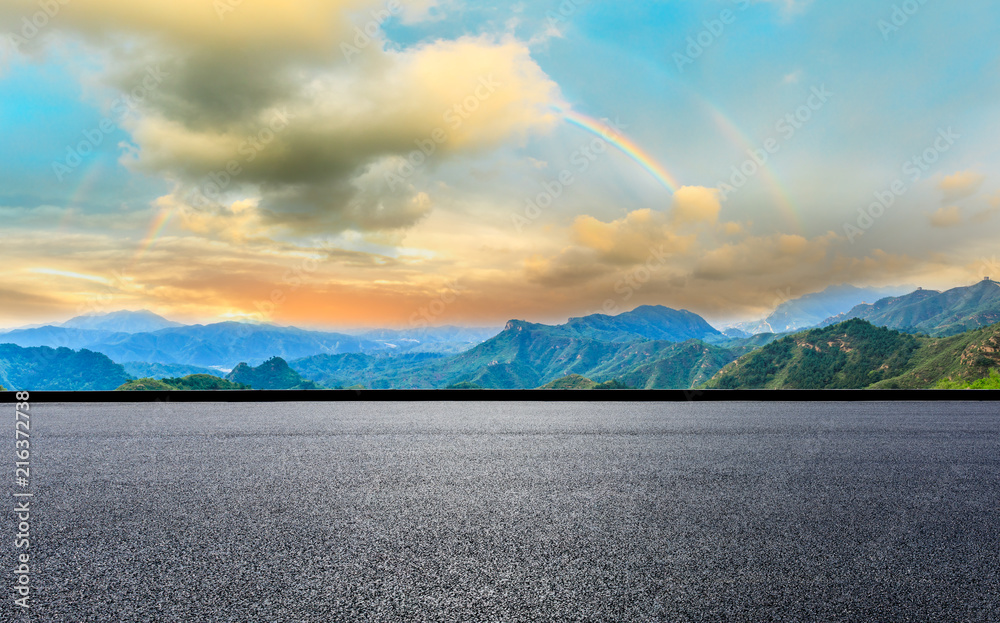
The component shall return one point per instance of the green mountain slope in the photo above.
(810, 310)
(850, 355)
(575, 381)
(349, 369)
(960, 359)
(272, 374)
(141, 370)
(44, 368)
(526, 355)
(856, 354)
(190, 382)
(679, 366)
(652, 322)
(145, 385)
(990, 382)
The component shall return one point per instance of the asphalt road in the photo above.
(518, 512)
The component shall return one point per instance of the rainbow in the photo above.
(155, 229)
(736, 136)
(625, 144)
(85, 187)
(88, 181)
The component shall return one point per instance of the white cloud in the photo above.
(947, 217)
(961, 185)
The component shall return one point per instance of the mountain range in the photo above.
(44, 368)
(932, 312)
(657, 345)
(810, 310)
(856, 354)
(142, 338)
(142, 321)
(652, 347)
(272, 374)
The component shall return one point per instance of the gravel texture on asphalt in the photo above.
(513, 512)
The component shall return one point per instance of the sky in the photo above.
(362, 163)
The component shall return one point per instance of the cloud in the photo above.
(297, 27)
(984, 216)
(574, 266)
(296, 103)
(732, 229)
(788, 7)
(28, 303)
(311, 160)
(758, 255)
(630, 240)
(792, 78)
(961, 185)
(696, 204)
(946, 217)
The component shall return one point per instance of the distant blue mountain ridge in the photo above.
(652, 346)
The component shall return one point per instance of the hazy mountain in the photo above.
(935, 313)
(743, 345)
(272, 374)
(523, 355)
(143, 321)
(58, 337)
(527, 355)
(225, 343)
(632, 349)
(812, 309)
(447, 339)
(222, 344)
(44, 368)
(348, 370)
